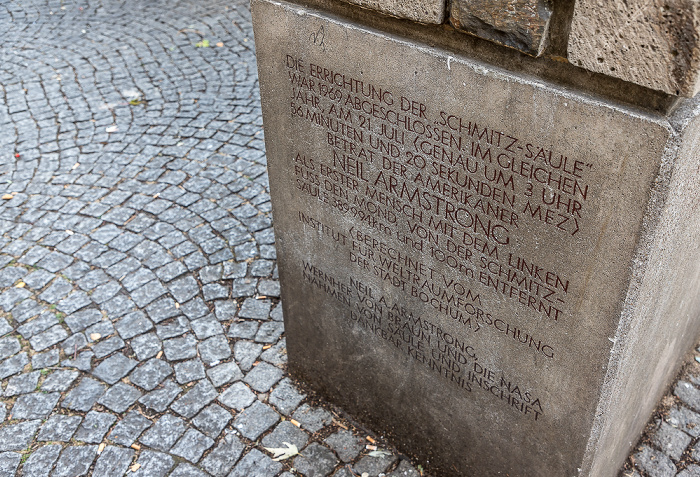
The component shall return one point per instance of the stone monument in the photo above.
(488, 241)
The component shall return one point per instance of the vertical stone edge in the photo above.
(659, 320)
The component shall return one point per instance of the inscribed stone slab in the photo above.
(445, 225)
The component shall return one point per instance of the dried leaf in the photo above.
(202, 44)
(7, 196)
(280, 453)
(21, 285)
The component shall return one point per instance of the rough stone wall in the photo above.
(651, 43)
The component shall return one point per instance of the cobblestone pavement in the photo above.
(141, 330)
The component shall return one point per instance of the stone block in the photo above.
(519, 24)
(653, 44)
(483, 266)
(423, 11)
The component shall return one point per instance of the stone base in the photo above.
(486, 268)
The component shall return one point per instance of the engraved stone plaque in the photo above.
(455, 242)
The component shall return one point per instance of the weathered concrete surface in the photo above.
(519, 24)
(443, 225)
(653, 44)
(423, 11)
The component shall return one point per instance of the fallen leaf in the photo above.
(21, 285)
(220, 44)
(135, 467)
(280, 453)
(202, 44)
(7, 196)
(95, 336)
(101, 448)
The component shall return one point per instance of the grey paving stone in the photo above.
(206, 327)
(691, 471)
(225, 310)
(654, 462)
(256, 309)
(237, 396)
(27, 309)
(182, 289)
(148, 293)
(150, 374)
(48, 338)
(188, 470)
(263, 376)
(41, 323)
(164, 433)
(286, 397)
(255, 419)
(160, 399)
(108, 346)
(94, 427)
(56, 291)
(188, 371)
(345, 444)
(9, 346)
(38, 279)
(243, 287)
(269, 332)
(269, 288)
(73, 344)
(671, 441)
(212, 420)
(41, 461)
(192, 445)
(277, 354)
(234, 269)
(316, 461)
(405, 469)
(224, 373)
(5, 327)
(195, 399)
(84, 395)
(11, 297)
(246, 352)
(82, 319)
(22, 384)
(286, 432)
(114, 368)
(256, 464)
(222, 458)
(195, 308)
(59, 427)
(175, 327)
(313, 419)
(133, 324)
(153, 464)
(83, 361)
(171, 271)
(74, 302)
(59, 380)
(113, 461)
(184, 347)
(162, 310)
(146, 346)
(45, 359)
(129, 428)
(16, 437)
(244, 330)
(120, 397)
(34, 405)
(214, 291)
(214, 349)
